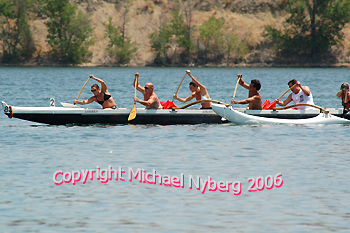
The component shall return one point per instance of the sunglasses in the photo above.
(93, 90)
(147, 88)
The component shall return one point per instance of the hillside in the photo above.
(246, 18)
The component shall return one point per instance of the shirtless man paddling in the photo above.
(150, 99)
(254, 98)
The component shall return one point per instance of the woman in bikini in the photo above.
(199, 91)
(345, 96)
(101, 96)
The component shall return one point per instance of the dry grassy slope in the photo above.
(143, 18)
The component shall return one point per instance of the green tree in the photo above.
(211, 34)
(188, 7)
(120, 46)
(313, 27)
(177, 32)
(235, 48)
(173, 34)
(17, 40)
(69, 32)
(160, 45)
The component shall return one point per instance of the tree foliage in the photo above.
(212, 34)
(120, 46)
(173, 34)
(69, 32)
(235, 48)
(17, 40)
(313, 27)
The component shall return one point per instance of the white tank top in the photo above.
(203, 97)
(301, 98)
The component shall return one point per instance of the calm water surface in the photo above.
(313, 160)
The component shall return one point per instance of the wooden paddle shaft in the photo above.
(286, 92)
(132, 114)
(136, 83)
(346, 96)
(179, 86)
(82, 88)
(234, 93)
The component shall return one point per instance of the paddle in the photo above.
(273, 104)
(346, 96)
(132, 114)
(168, 104)
(83, 87)
(234, 93)
(179, 86)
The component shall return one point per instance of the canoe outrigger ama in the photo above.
(72, 114)
(241, 118)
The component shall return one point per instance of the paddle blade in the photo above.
(168, 105)
(265, 104)
(132, 114)
(272, 105)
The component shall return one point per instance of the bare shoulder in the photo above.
(154, 96)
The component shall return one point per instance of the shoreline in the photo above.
(242, 65)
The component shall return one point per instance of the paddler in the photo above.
(300, 95)
(254, 97)
(150, 99)
(101, 96)
(199, 91)
(345, 96)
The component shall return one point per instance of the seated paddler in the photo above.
(150, 99)
(199, 91)
(345, 96)
(300, 95)
(101, 95)
(254, 97)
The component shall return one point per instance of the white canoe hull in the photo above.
(241, 118)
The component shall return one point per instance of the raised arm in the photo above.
(202, 88)
(138, 86)
(195, 80)
(305, 89)
(339, 94)
(103, 84)
(242, 83)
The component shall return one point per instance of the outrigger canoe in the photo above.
(85, 116)
(241, 118)
(72, 114)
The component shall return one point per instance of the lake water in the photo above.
(312, 161)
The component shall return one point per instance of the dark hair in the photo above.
(344, 85)
(193, 84)
(256, 84)
(96, 86)
(293, 81)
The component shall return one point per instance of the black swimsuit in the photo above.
(346, 107)
(105, 97)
